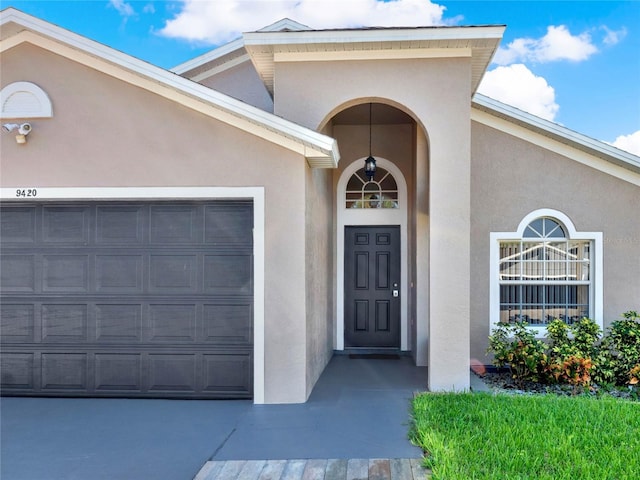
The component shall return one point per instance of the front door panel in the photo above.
(372, 286)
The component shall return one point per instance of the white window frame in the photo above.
(596, 289)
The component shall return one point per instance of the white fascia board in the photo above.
(264, 120)
(545, 127)
(214, 54)
(374, 35)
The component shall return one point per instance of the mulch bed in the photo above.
(501, 382)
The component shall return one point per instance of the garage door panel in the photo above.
(18, 371)
(127, 299)
(173, 225)
(120, 225)
(65, 273)
(116, 323)
(228, 225)
(66, 224)
(18, 225)
(17, 322)
(172, 323)
(228, 274)
(228, 372)
(228, 324)
(172, 372)
(118, 372)
(64, 371)
(173, 273)
(64, 323)
(18, 273)
(119, 273)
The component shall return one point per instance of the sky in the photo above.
(576, 63)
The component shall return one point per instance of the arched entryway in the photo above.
(372, 258)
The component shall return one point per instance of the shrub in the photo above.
(575, 354)
(634, 375)
(620, 350)
(580, 339)
(516, 347)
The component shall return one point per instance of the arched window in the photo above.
(544, 271)
(381, 192)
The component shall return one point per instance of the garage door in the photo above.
(127, 299)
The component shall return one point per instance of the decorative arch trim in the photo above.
(25, 100)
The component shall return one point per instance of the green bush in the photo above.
(515, 346)
(575, 354)
(620, 351)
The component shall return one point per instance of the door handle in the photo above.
(395, 291)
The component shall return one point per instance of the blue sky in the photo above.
(573, 62)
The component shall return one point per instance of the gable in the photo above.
(18, 28)
(109, 131)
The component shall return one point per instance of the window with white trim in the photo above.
(381, 192)
(545, 275)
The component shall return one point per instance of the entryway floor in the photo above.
(359, 409)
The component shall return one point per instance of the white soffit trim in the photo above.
(408, 53)
(482, 41)
(211, 56)
(559, 139)
(219, 68)
(233, 49)
(169, 85)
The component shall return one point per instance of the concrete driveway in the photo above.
(358, 409)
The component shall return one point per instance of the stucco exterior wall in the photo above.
(241, 82)
(513, 177)
(436, 92)
(107, 133)
(319, 273)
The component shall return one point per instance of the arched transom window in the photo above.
(381, 192)
(545, 275)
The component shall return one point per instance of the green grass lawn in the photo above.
(508, 437)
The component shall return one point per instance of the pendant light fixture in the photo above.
(370, 162)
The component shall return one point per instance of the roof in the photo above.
(17, 27)
(556, 132)
(478, 42)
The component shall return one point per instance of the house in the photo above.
(211, 231)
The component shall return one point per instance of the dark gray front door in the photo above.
(130, 299)
(372, 286)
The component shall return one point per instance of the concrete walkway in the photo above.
(359, 409)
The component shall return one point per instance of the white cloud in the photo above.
(125, 9)
(557, 44)
(215, 21)
(613, 37)
(516, 85)
(149, 8)
(629, 143)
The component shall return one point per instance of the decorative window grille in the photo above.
(381, 192)
(545, 275)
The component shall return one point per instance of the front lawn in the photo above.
(484, 436)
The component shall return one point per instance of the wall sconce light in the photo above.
(370, 162)
(23, 130)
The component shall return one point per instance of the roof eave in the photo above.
(558, 132)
